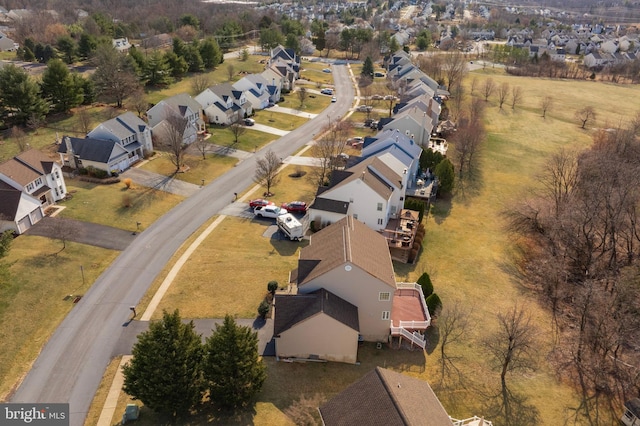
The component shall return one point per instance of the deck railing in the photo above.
(475, 421)
(418, 288)
(415, 337)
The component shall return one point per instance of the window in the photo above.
(351, 200)
(355, 216)
(384, 296)
(39, 181)
(57, 175)
(386, 315)
(30, 187)
(380, 221)
(379, 207)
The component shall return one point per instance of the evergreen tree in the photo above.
(88, 89)
(60, 88)
(139, 61)
(6, 238)
(292, 42)
(434, 304)
(177, 65)
(193, 58)
(429, 159)
(232, 368)
(67, 46)
(165, 371)
(446, 176)
(425, 283)
(87, 45)
(210, 52)
(20, 97)
(367, 68)
(157, 71)
(179, 47)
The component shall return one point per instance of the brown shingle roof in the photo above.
(385, 398)
(293, 309)
(346, 241)
(27, 167)
(372, 171)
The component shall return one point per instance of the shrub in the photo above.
(434, 304)
(426, 284)
(272, 286)
(263, 309)
(82, 171)
(127, 200)
(127, 183)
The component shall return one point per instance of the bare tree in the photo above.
(455, 69)
(172, 137)
(474, 84)
(586, 115)
(332, 41)
(513, 347)
(267, 171)
(231, 71)
(237, 128)
(516, 96)
(115, 77)
(61, 229)
(503, 92)
(84, 120)
(453, 324)
(19, 138)
(202, 146)
(34, 122)
(546, 104)
(200, 82)
(328, 149)
(302, 95)
(487, 88)
(138, 102)
(468, 137)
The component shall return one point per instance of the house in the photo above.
(7, 44)
(280, 56)
(595, 59)
(385, 397)
(129, 131)
(331, 320)
(401, 147)
(278, 77)
(413, 123)
(372, 189)
(181, 105)
(30, 182)
(103, 154)
(121, 44)
(631, 416)
(224, 104)
(256, 90)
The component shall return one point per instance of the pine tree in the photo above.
(446, 176)
(60, 87)
(232, 366)
(367, 68)
(426, 284)
(165, 371)
(157, 71)
(20, 97)
(211, 53)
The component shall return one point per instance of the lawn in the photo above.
(280, 121)
(199, 170)
(312, 72)
(312, 105)
(250, 141)
(32, 305)
(104, 204)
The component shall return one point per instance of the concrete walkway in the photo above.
(162, 183)
(291, 111)
(268, 129)
(302, 161)
(220, 150)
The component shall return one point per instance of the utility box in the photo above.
(130, 413)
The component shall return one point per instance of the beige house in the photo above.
(331, 320)
(352, 261)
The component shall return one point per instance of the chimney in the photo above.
(363, 173)
(70, 154)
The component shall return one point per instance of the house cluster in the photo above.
(226, 103)
(29, 183)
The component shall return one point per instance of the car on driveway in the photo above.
(270, 211)
(327, 91)
(334, 99)
(377, 97)
(364, 108)
(259, 202)
(327, 70)
(295, 207)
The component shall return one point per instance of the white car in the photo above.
(270, 211)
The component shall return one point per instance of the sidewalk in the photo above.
(291, 111)
(163, 183)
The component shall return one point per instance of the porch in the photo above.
(409, 315)
(400, 234)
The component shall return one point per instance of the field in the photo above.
(199, 169)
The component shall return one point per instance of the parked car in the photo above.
(377, 97)
(374, 125)
(378, 74)
(259, 202)
(327, 70)
(269, 211)
(389, 98)
(249, 121)
(327, 91)
(364, 108)
(367, 122)
(334, 99)
(295, 206)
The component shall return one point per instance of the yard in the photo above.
(250, 140)
(280, 120)
(197, 170)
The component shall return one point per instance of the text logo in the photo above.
(34, 414)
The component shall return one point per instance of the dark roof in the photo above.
(633, 405)
(293, 309)
(98, 150)
(9, 202)
(385, 398)
(327, 205)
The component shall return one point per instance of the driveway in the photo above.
(83, 232)
(160, 182)
(220, 150)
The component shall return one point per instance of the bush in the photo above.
(272, 286)
(127, 183)
(263, 309)
(127, 200)
(83, 172)
(426, 284)
(434, 304)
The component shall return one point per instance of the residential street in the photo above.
(71, 365)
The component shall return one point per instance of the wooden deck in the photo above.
(407, 306)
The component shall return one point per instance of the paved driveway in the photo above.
(83, 232)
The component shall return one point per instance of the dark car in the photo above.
(258, 202)
(295, 206)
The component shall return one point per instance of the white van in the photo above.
(290, 226)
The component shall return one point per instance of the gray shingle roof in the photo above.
(327, 205)
(385, 398)
(9, 201)
(124, 125)
(98, 150)
(293, 309)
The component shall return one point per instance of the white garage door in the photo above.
(24, 224)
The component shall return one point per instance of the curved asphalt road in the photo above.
(70, 367)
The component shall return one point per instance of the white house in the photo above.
(403, 149)
(103, 154)
(255, 88)
(29, 182)
(121, 44)
(223, 104)
(181, 105)
(133, 134)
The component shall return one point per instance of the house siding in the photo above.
(364, 205)
(362, 290)
(319, 335)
